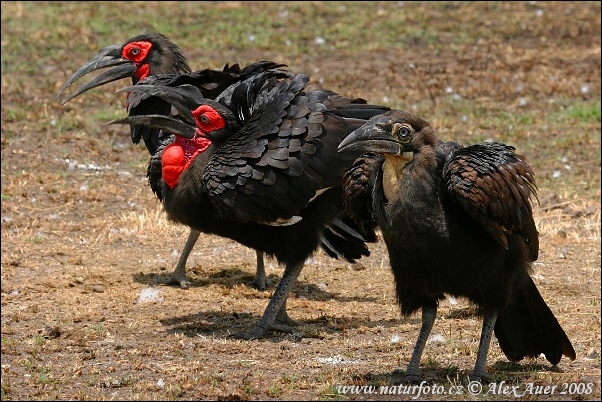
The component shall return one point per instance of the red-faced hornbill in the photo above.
(260, 165)
(456, 220)
(153, 59)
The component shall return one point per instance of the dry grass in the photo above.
(83, 237)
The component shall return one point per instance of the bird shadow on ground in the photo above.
(230, 278)
(221, 324)
(430, 375)
(528, 367)
(502, 370)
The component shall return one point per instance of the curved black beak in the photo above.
(185, 98)
(161, 122)
(374, 136)
(109, 56)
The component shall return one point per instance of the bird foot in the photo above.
(412, 378)
(174, 279)
(286, 328)
(285, 325)
(259, 283)
(481, 377)
(256, 332)
(284, 321)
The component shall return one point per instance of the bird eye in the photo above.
(404, 132)
(208, 119)
(136, 51)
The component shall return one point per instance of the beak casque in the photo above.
(185, 98)
(374, 136)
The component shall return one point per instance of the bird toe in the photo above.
(181, 281)
(412, 378)
(256, 332)
(259, 283)
(282, 327)
(481, 377)
(283, 321)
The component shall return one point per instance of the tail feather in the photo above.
(343, 238)
(528, 328)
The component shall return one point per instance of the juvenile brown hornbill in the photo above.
(456, 220)
(153, 59)
(259, 165)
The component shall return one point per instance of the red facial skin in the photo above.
(177, 156)
(137, 53)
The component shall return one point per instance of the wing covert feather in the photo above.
(495, 186)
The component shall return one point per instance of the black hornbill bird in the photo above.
(456, 220)
(259, 165)
(154, 59)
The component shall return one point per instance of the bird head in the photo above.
(138, 57)
(393, 133)
(197, 116)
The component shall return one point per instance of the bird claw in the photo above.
(283, 327)
(480, 377)
(257, 332)
(412, 378)
(283, 323)
(175, 280)
(259, 283)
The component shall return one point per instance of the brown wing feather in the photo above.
(494, 185)
(358, 185)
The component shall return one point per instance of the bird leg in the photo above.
(178, 276)
(429, 313)
(283, 320)
(261, 280)
(480, 369)
(275, 316)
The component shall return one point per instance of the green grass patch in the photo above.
(578, 112)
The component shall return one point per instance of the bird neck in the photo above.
(393, 172)
(178, 156)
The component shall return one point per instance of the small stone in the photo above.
(98, 289)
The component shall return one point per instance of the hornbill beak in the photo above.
(374, 136)
(161, 122)
(184, 98)
(109, 56)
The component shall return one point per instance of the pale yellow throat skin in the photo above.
(392, 173)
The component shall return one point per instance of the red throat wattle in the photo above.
(142, 71)
(177, 156)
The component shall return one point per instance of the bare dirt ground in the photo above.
(84, 242)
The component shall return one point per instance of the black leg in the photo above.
(261, 280)
(428, 319)
(178, 276)
(276, 309)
